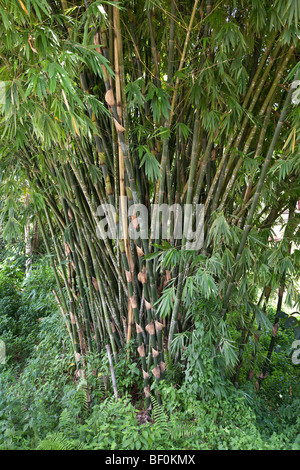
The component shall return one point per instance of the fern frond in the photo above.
(159, 416)
(102, 388)
(65, 420)
(169, 361)
(82, 396)
(170, 427)
(185, 430)
(108, 407)
(58, 441)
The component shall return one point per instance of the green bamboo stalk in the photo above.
(256, 198)
(180, 284)
(233, 140)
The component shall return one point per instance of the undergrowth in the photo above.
(45, 406)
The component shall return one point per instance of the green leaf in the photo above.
(152, 166)
(297, 332)
(290, 322)
(281, 314)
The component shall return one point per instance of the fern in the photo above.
(102, 413)
(170, 427)
(58, 441)
(108, 407)
(169, 362)
(174, 370)
(180, 431)
(102, 388)
(65, 421)
(82, 395)
(159, 416)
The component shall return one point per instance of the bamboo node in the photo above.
(141, 350)
(150, 328)
(159, 326)
(138, 328)
(119, 127)
(109, 98)
(155, 353)
(140, 252)
(133, 301)
(156, 372)
(148, 305)
(77, 357)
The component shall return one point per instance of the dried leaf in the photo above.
(159, 326)
(155, 353)
(141, 350)
(109, 98)
(133, 301)
(119, 127)
(138, 328)
(23, 7)
(150, 328)
(139, 251)
(142, 276)
(73, 321)
(31, 46)
(156, 372)
(77, 357)
(95, 283)
(275, 329)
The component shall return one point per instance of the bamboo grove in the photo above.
(162, 102)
